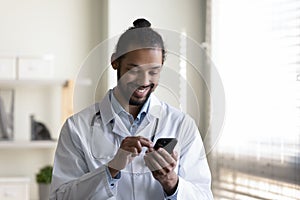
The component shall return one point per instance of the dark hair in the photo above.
(141, 35)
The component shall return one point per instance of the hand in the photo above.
(162, 165)
(130, 148)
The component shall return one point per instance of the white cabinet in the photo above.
(14, 188)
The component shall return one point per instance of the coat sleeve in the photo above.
(71, 178)
(193, 169)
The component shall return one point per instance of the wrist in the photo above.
(170, 186)
(113, 172)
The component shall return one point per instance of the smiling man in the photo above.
(107, 150)
(138, 76)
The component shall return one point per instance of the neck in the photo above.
(132, 109)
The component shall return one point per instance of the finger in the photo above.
(155, 168)
(129, 142)
(158, 174)
(134, 152)
(150, 150)
(145, 142)
(152, 165)
(175, 155)
(138, 146)
(157, 160)
(148, 163)
(168, 158)
(158, 156)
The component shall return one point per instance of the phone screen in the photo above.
(167, 143)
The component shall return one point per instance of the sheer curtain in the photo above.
(255, 46)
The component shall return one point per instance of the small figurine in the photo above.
(38, 130)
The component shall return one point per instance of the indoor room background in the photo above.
(249, 55)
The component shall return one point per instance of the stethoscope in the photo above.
(117, 140)
(97, 114)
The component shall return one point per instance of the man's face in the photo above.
(138, 75)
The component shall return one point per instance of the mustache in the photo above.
(142, 86)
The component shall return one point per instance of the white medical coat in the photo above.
(90, 139)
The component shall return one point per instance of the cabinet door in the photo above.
(14, 191)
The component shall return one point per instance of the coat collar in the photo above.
(106, 110)
(108, 114)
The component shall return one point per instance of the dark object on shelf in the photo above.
(6, 119)
(38, 130)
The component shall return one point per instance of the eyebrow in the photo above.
(152, 67)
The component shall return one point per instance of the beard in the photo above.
(129, 96)
(137, 102)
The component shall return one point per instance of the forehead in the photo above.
(142, 57)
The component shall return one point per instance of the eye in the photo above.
(153, 72)
(133, 71)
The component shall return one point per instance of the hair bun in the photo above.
(141, 23)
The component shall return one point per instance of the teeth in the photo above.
(141, 90)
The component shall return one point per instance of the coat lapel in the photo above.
(146, 127)
(119, 128)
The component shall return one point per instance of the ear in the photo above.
(114, 62)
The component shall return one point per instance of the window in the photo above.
(256, 49)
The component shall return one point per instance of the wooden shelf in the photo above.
(35, 83)
(28, 144)
(14, 180)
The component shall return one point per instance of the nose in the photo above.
(143, 79)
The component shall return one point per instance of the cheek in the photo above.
(127, 77)
(130, 78)
(155, 80)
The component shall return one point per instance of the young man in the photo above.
(107, 150)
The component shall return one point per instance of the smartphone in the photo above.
(167, 143)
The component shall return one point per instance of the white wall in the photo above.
(62, 28)
(175, 16)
